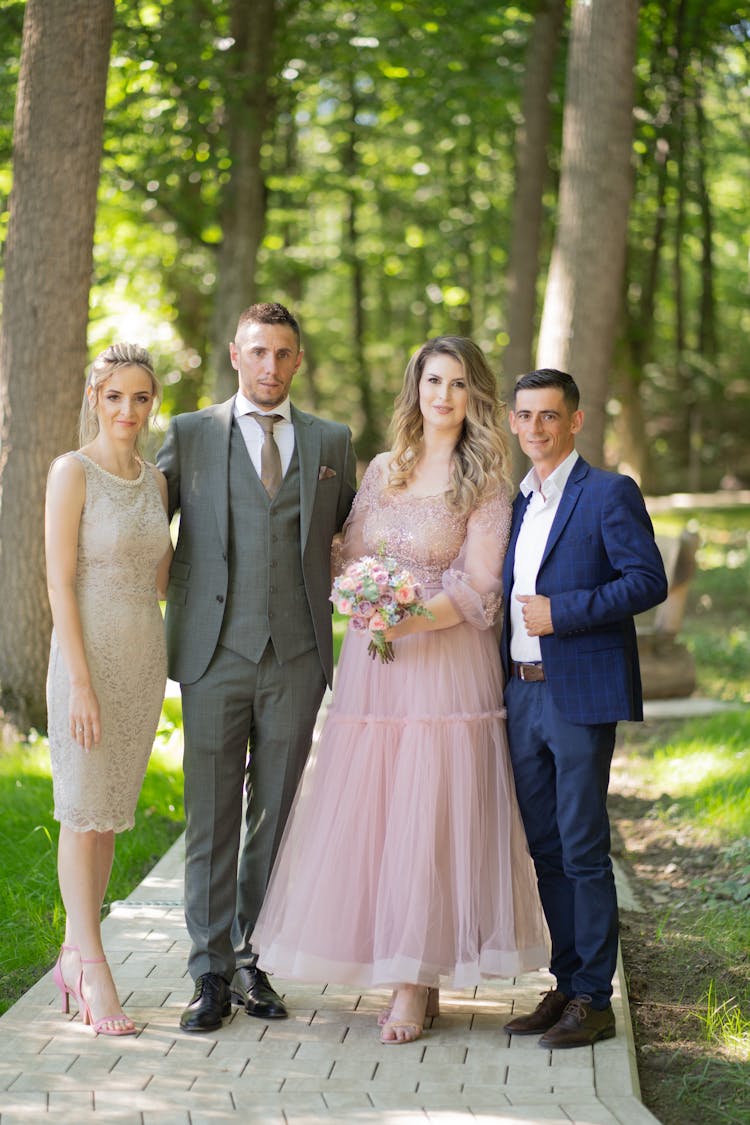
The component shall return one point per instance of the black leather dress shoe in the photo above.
(545, 1015)
(209, 1005)
(251, 989)
(580, 1025)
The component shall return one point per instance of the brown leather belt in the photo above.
(532, 673)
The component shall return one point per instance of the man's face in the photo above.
(265, 357)
(545, 427)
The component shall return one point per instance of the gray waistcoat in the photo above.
(266, 598)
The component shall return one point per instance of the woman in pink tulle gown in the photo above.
(404, 862)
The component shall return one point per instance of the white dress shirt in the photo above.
(283, 431)
(530, 545)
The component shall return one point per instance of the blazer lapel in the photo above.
(307, 438)
(519, 507)
(217, 430)
(566, 507)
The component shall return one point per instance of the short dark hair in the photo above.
(270, 312)
(550, 377)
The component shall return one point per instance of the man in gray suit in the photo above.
(261, 489)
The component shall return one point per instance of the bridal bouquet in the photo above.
(374, 592)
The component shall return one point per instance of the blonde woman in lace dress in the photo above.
(108, 552)
(404, 863)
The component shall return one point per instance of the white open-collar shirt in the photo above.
(530, 545)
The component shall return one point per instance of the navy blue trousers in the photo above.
(562, 774)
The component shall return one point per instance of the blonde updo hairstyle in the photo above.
(104, 366)
(481, 458)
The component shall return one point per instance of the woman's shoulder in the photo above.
(66, 481)
(494, 504)
(68, 466)
(377, 470)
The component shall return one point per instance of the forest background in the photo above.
(564, 182)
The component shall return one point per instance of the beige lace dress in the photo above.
(123, 535)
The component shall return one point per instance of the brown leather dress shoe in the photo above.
(580, 1025)
(545, 1015)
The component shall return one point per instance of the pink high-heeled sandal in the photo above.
(407, 1031)
(57, 975)
(433, 1006)
(126, 1028)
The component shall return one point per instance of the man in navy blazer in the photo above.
(581, 562)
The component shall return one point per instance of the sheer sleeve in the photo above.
(473, 582)
(349, 544)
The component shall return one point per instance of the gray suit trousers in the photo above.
(236, 706)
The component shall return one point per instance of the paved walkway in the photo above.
(322, 1064)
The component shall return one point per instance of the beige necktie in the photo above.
(270, 458)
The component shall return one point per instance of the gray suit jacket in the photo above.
(195, 460)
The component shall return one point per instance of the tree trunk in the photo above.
(584, 287)
(532, 170)
(634, 443)
(369, 438)
(243, 212)
(57, 149)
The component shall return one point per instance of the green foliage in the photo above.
(32, 919)
(389, 176)
(704, 769)
(687, 307)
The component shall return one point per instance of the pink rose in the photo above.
(405, 595)
(347, 584)
(345, 606)
(377, 624)
(366, 609)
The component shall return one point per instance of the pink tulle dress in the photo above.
(404, 859)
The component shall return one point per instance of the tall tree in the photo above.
(248, 108)
(584, 286)
(532, 173)
(57, 148)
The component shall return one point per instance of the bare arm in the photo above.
(162, 570)
(66, 493)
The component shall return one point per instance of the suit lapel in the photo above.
(307, 439)
(566, 507)
(519, 507)
(217, 431)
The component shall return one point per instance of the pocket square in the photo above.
(326, 473)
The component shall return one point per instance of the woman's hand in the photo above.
(85, 725)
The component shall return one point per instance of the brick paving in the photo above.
(324, 1063)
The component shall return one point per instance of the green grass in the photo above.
(340, 625)
(698, 773)
(32, 919)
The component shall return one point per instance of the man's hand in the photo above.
(537, 614)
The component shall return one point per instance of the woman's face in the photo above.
(123, 402)
(443, 393)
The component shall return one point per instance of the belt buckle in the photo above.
(522, 672)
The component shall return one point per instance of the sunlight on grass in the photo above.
(705, 769)
(724, 1023)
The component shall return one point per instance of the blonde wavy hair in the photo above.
(105, 365)
(481, 459)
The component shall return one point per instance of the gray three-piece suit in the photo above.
(249, 640)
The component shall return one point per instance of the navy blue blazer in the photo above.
(601, 566)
